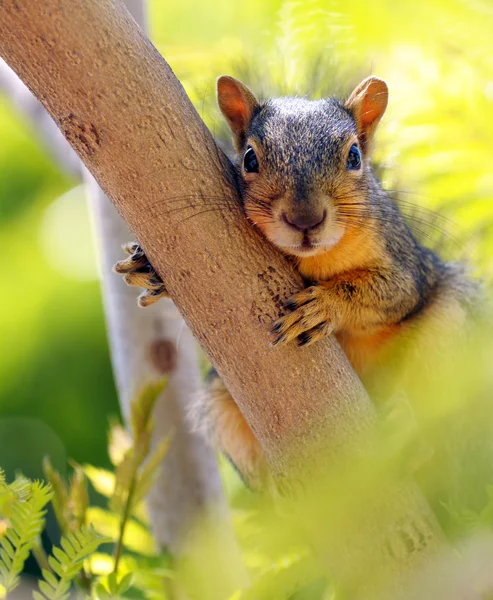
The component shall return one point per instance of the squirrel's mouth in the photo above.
(305, 248)
(306, 243)
(302, 243)
(309, 246)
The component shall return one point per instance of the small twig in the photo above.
(123, 523)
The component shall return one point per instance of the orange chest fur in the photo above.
(355, 251)
(364, 350)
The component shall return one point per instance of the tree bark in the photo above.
(145, 345)
(52, 137)
(129, 119)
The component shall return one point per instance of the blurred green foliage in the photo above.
(84, 528)
(56, 386)
(434, 149)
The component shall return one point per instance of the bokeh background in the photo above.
(435, 147)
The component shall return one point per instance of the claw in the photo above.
(304, 339)
(279, 340)
(314, 334)
(134, 263)
(150, 297)
(291, 304)
(131, 247)
(138, 271)
(306, 320)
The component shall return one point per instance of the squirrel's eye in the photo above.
(250, 162)
(353, 158)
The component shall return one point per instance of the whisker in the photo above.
(254, 200)
(196, 197)
(365, 223)
(215, 206)
(203, 212)
(411, 220)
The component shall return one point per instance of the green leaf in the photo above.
(60, 495)
(49, 577)
(137, 538)
(125, 583)
(27, 522)
(150, 471)
(102, 480)
(77, 547)
(112, 584)
(142, 407)
(101, 592)
(119, 443)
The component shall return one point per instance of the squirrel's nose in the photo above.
(305, 223)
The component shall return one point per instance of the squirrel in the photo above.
(307, 184)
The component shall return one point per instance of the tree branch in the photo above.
(145, 345)
(122, 109)
(189, 480)
(23, 99)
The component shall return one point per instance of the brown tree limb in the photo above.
(188, 480)
(122, 109)
(145, 345)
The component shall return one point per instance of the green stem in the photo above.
(40, 555)
(83, 580)
(123, 523)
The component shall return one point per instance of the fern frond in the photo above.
(66, 562)
(150, 470)
(22, 488)
(142, 427)
(78, 498)
(124, 476)
(26, 523)
(6, 500)
(143, 406)
(119, 443)
(60, 494)
(4, 525)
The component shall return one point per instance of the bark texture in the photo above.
(145, 345)
(120, 106)
(189, 481)
(52, 137)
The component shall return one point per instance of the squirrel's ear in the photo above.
(237, 103)
(367, 104)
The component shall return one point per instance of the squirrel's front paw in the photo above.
(138, 271)
(309, 318)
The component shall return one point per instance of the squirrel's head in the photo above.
(302, 162)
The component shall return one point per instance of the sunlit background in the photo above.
(434, 149)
